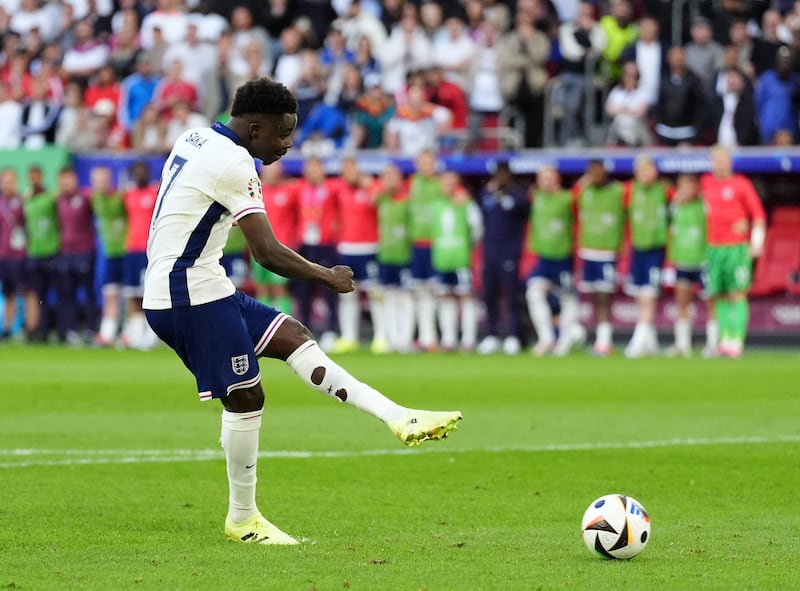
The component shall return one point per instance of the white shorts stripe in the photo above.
(205, 395)
(269, 333)
(245, 384)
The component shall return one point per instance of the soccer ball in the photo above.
(616, 526)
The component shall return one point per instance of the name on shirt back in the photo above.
(196, 140)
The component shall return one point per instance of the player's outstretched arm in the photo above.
(279, 258)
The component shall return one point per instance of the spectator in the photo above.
(703, 54)
(148, 132)
(124, 49)
(257, 67)
(775, 91)
(441, 92)
(730, 63)
(10, 115)
(199, 65)
(627, 105)
(75, 269)
(39, 118)
(334, 59)
(310, 86)
(680, 111)
(415, 127)
(621, 31)
(137, 91)
(358, 23)
(650, 56)
(454, 51)
(373, 110)
(28, 17)
(431, 18)
(87, 55)
(486, 98)
(578, 40)
(210, 25)
(766, 47)
(740, 39)
(104, 131)
(505, 207)
(734, 113)
(406, 50)
(183, 119)
(167, 18)
(364, 59)
(104, 87)
(18, 75)
(172, 89)
(288, 67)
(243, 35)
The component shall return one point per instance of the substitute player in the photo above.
(280, 200)
(601, 215)
(394, 259)
(424, 190)
(219, 332)
(112, 227)
(647, 197)
(687, 251)
(551, 238)
(358, 249)
(456, 227)
(736, 225)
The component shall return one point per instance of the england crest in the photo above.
(240, 364)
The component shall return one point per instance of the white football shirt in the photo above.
(208, 181)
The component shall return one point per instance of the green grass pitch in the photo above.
(111, 475)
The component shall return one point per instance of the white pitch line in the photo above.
(84, 457)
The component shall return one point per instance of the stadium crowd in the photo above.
(411, 78)
(401, 75)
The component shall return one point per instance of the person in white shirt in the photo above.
(87, 55)
(208, 183)
(406, 50)
(169, 20)
(415, 126)
(10, 114)
(648, 53)
(627, 104)
(454, 52)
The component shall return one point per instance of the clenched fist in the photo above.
(341, 279)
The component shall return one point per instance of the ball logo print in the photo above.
(240, 364)
(616, 526)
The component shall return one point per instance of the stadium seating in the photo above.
(786, 216)
(780, 261)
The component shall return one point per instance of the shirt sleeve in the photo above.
(238, 189)
(752, 201)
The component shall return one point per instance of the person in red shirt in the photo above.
(442, 92)
(106, 87)
(174, 89)
(140, 201)
(736, 228)
(280, 201)
(318, 233)
(358, 249)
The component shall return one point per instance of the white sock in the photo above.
(712, 334)
(316, 369)
(108, 329)
(652, 338)
(683, 335)
(134, 329)
(448, 321)
(541, 316)
(605, 334)
(426, 317)
(240, 442)
(349, 316)
(405, 319)
(469, 322)
(377, 312)
(568, 317)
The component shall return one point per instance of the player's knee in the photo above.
(291, 334)
(245, 399)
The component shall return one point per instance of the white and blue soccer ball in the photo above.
(616, 526)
